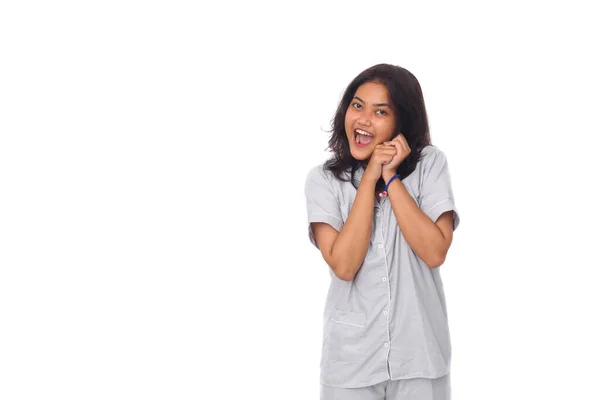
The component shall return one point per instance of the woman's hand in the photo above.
(382, 156)
(402, 151)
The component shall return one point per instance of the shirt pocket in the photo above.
(346, 339)
(352, 318)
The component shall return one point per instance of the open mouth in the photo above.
(362, 138)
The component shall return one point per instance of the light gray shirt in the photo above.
(390, 322)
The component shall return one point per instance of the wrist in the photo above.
(387, 175)
(368, 181)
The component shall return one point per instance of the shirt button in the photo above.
(385, 313)
(387, 345)
(380, 246)
(384, 279)
(379, 214)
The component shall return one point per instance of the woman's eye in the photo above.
(356, 105)
(380, 112)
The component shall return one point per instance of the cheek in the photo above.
(387, 127)
(349, 121)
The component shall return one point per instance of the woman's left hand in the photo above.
(402, 151)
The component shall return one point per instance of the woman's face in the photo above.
(370, 119)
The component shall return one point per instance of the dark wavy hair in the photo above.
(411, 116)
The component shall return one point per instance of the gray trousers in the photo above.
(402, 389)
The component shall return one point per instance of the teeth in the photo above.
(361, 132)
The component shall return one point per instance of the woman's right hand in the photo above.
(381, 156)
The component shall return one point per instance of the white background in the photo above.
(153, 239)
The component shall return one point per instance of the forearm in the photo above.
(352, 243)
(422, 234)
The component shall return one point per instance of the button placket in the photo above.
(387, 282)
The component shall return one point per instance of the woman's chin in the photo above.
(361, 154)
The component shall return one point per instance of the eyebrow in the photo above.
(376, 105)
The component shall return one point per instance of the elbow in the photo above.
(344, 274)
(344, 270)
(340, 269)
(436, 260)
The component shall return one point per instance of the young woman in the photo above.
(382, 213)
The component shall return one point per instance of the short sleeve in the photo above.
(436, 189)
(322, 205)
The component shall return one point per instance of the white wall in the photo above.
(152, 219)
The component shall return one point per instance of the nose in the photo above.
(364, 119)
